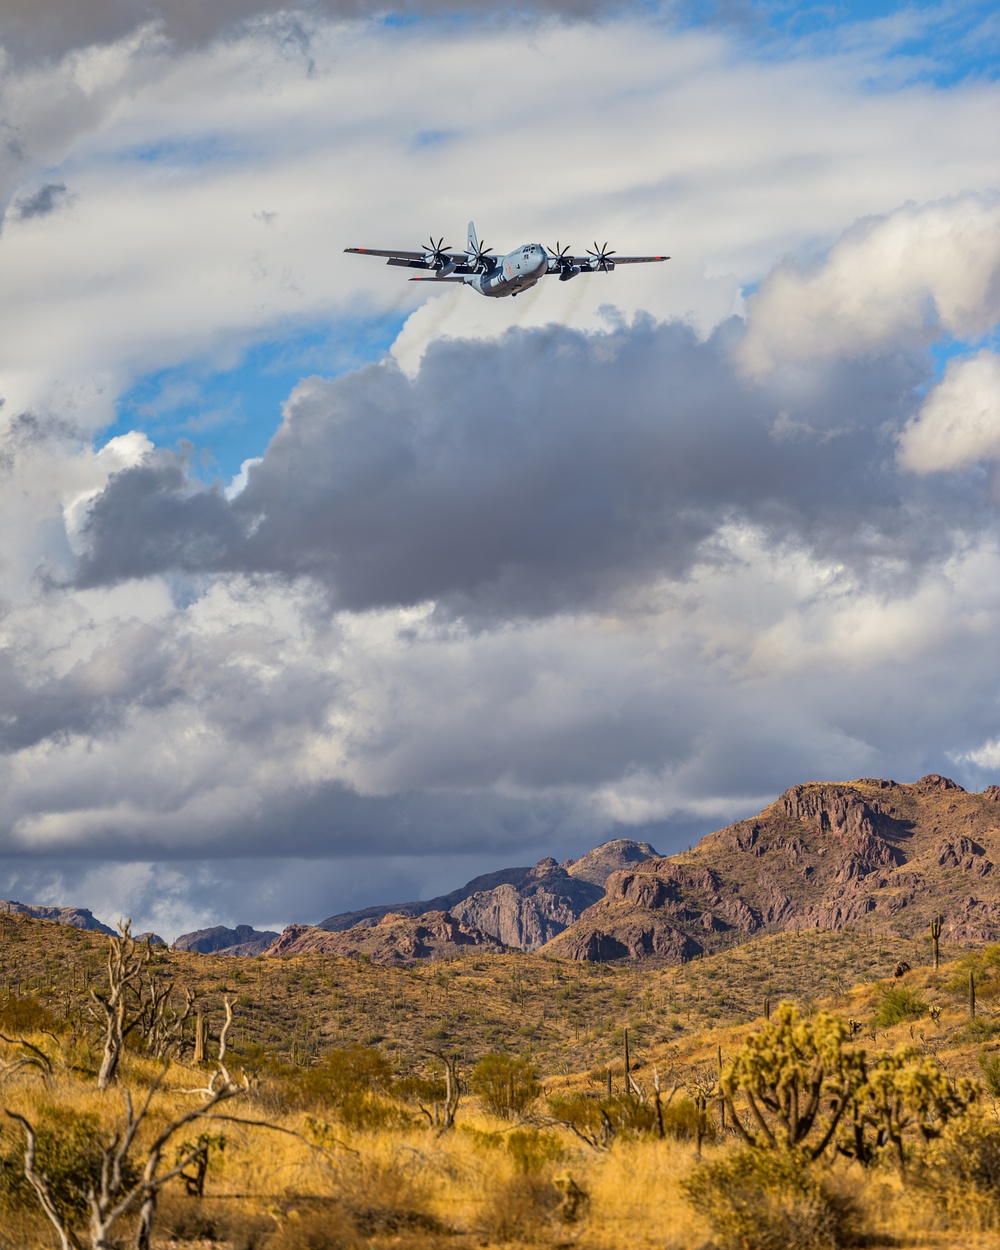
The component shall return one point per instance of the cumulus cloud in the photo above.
(559, 470)
(893, 280)
(959, 422)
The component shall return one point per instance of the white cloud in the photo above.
(889, 281)
(959, 422)
(986, 756)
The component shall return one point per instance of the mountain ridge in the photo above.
(822, 856)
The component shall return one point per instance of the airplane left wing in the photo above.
(587, 262)
(637, 260)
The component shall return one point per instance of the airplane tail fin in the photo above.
(473, 244)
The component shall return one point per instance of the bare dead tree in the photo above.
(452, 1090)
(162, 1023)
(112, 1197)
(31, 1057)
(120, 1004)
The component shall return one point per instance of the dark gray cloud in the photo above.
(546, 472)
(34, 29)
(46, 200)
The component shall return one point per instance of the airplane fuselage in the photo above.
(513, 273)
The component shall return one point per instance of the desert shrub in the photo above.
(681, 1118)
(340, 1073)
(68, 1153)
(896, 1004)
(352, 1082)
(771, 1201)
(521, 1209)
(989, 1065)
(599, 1120)
(977, 1030)
(426, 1092)
(507, 1085)
(193, 1219)
(26, 1015)
(316, 1230)
(960, 1172)
(386, 1196)
(530, 1150)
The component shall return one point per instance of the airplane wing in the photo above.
(412, 260)
(587, 262)
(636, 260)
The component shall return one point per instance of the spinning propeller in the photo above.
(480, 256)
(602, 258)
(437, 253)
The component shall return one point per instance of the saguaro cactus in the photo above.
(972, 992)
(935, 934)
(200, 1037)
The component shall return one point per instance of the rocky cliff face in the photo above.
(75, 917)
(526, 916)
(243, 940)
(396, 939)
(522, 907)
(823, 856)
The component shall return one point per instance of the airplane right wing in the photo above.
(414, 260)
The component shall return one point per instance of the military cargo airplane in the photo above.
(502, 275)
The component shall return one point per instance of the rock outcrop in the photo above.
(522, 907)
(597, 865)
(396, 939)
(75, 917)
(821, 856)
(243, 940)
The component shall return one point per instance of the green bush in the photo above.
(26, 1015)
(599, 1120)
(960, 1172)
(680, 1121)
(531, 1150)
(771, 1201)
(989, 1065)
(898, 1003)
(342, 1072)
(506, 1085)
(977, 1030)
(68, 1153)
(351, 1081)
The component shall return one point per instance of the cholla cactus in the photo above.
(904, 1091)
(797, 1078)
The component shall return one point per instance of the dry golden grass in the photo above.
(407, 1186)
(411, 1188)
